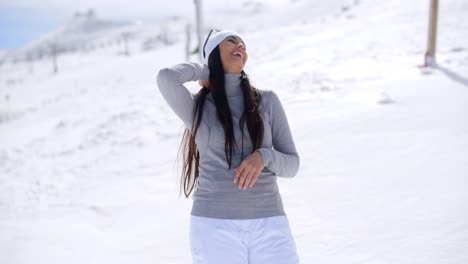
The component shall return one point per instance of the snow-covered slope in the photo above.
(87, 156)
(87, 33)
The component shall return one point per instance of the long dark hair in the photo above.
(251, 116)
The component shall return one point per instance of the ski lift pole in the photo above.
(432, 36)
(199, 21)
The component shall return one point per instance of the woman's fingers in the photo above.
(254, 179)
(242, 176)
(248, 171)
(204, 83)
(251, 180)
(247, 178)
(241, 172)
(238, 173)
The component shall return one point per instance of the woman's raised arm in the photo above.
(170, 82)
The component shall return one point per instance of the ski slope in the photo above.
(88, 170)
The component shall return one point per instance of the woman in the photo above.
(230, 164)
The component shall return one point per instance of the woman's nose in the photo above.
(240, 45)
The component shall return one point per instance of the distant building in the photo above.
(90, 14)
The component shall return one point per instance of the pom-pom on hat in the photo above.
(213, 39)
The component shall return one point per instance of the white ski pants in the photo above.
(247, 241)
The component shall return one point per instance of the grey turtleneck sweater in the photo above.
(217, 196)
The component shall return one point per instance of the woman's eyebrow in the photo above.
(236, 39)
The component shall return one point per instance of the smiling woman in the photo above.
(233, 54)
(237, 214)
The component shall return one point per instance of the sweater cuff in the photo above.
(204, 73)
(266, 155)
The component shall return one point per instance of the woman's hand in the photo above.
(249, 170)
(204, 83)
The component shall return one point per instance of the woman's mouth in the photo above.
(237, 54)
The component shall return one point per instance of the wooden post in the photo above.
(54, 52)
(125, 37)
(199, 24)
(187, 43)
(432, 36)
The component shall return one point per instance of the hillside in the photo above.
(88, 168)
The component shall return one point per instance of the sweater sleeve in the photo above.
(283, 160)
(170, 82)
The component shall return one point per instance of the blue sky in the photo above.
(22, 21)
(19, 26)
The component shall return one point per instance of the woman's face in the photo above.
(233, 54)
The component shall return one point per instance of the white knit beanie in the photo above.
(215, 39)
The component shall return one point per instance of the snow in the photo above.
(86, 33)
(88, 169)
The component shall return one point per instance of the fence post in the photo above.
(187, 43)
(198, 7)
(432, 36)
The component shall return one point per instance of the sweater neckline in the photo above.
(232, 84)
